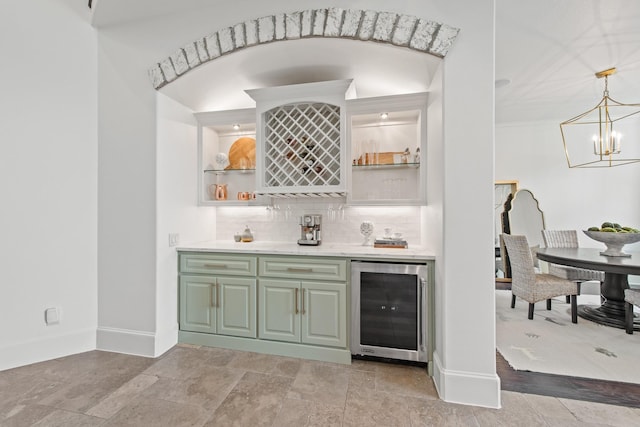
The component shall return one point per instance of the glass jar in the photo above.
(247, 235)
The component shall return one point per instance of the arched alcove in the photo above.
(390, 31)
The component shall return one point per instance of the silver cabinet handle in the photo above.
(299, 270)
(302, 301)
(215, 265)
(217, 294)
(296, 298)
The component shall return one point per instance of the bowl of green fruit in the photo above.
(614, 236)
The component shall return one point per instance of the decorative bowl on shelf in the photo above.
(613, 241)
(221, 160)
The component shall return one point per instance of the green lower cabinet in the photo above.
(323, 320)
(218, 305)
(303, 312)
(197, 305)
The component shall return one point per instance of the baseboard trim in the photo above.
(166, 339)
(256, 345)
(137, 343)
(466, 388)
(50, 347)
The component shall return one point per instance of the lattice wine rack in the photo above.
(302, 146)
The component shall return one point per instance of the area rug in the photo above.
(550, 343)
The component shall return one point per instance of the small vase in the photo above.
(366, 229)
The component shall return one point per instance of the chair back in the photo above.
(523, 275)
(560, 238)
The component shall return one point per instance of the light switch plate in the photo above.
(174, 239)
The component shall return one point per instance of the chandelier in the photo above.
(594, 139)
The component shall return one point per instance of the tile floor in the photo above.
(201, 386)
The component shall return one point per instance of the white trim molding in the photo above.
(408, 31)
(138, 343)
(467, 388)
(51, 347)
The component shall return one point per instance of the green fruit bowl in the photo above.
(613, 241)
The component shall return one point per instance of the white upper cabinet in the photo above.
(387, 144)
(315, 140)
(301, 139)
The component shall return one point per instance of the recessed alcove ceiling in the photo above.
(376, 69)
(548, 49)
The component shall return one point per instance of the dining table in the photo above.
(616, 270)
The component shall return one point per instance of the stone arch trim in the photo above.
(408, 31)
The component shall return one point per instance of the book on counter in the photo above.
(382, 242)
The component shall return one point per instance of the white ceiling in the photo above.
(551, 49)
(548, 49)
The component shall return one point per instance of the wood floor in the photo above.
(587, 389)
(591, 390)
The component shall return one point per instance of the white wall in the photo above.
(48, 180)
(342, 225)
(465, 360)
(177, 187)
(576, 198)
(126, 199)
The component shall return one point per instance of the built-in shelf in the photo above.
(234, 202)
(386, 166)
(224, 171)
(385, 150)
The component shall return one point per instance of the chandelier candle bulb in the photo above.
(616, 137)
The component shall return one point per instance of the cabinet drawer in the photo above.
(304, 268)
(229, 265)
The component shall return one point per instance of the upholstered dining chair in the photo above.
(631, 298)
(568, 239)
(531, 286)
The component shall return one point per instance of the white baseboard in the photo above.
(50, 347)
(165, 339)
(467, 388)
(138, 343)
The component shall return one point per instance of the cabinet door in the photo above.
(236, 311)
(279, 310)
(197, 305)
(324, 309)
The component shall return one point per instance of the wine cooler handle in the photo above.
(421, 308)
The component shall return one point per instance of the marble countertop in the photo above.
(325, 249)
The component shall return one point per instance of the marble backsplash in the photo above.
(340, 224)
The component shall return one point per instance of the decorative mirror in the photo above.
(503, 190)
(526, 218)
(522, 216)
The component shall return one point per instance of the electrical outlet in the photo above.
(52, 316)
(174, 239)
